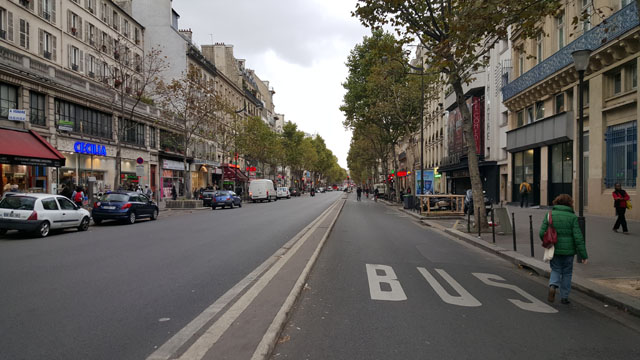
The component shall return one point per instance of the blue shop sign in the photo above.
(89, 148)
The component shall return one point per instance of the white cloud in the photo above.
(299, 46)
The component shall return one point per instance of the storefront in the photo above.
(25, 158)
(87, 164)
(234, 179)
(202, 172)
(172, 175)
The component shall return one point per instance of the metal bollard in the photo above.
(478, 222)
(493, 225)
(531, 233)
(468, 222)
(513, 229)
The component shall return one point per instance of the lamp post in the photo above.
(421, 70)
(581, 63)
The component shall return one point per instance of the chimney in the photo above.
(187, 33)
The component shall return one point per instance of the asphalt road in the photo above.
(385, 287)
(120, 291)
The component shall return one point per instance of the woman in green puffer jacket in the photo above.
(570, 242)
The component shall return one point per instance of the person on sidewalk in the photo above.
(359, 192)
(570, 241)
(174, 193)
(620, 198)
(525, 189)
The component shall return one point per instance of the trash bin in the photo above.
(408, 201)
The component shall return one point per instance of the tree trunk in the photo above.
(474, 169)
(395, 167)
(187, 174)
(116, 180)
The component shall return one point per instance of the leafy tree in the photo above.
(257, 142)
(457, 35)
(194, 107)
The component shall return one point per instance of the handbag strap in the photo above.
(549, 219)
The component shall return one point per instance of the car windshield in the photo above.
(18, 203)
(223, 193)
(113, 197)
(208, 193)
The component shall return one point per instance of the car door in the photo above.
(70, 215)
(145, 207)
(51, 211)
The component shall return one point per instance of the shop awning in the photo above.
(22, 147)
(234, 174)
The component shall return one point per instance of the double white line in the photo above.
(264, 274)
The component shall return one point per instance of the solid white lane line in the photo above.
(205, 342)
(168, 349)
(268, 340)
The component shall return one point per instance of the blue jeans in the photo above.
(561, 271)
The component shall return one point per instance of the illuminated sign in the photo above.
(89, 148)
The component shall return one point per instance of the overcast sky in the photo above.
(300, 46)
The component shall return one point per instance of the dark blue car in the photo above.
(124, 206)
(224, 198)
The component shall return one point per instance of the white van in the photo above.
(262, 189)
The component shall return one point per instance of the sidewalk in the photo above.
(612, 273)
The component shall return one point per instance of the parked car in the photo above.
(261, 190)
(206, 197)
(294, 192)
(321, 190)
(468, 203)
(283, 192)
(125, 206)
(225, 198)
(40, 213)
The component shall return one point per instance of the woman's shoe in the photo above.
(565, 301)
(552, 293)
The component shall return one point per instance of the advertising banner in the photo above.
(426, 186)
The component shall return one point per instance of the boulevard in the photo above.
(120, 291)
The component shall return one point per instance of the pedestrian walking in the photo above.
(525, 189)
(359, 192)
(570, 242)
(174, 194)
(78, 196)
(620, 203)
(147, 191)
(375, 194)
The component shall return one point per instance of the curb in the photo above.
(622, 301)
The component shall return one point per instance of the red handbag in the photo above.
(550, 237)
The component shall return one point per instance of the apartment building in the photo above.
(542, 101)
(61, 71)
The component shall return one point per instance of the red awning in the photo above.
(234, 174)
(22, 147)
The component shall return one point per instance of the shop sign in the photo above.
(17, 115)
(89, 148)
(172, 165)
(206, 162)
(19, 160)
(65, 125)
(140, 170)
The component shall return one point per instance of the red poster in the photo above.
(478, 124)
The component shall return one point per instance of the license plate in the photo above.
(12, 215)
(109, 207)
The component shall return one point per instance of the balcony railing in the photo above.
(601, 35)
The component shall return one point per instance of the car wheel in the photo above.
(44, 229)
(240, 204)
(154, 215)
(84, 224)
(231, 205)
(3, 231)
(132, 218)
(213, 208)
(97, 221)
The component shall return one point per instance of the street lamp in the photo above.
(421, 69)
(581, 63)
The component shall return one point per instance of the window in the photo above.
(530, 117)
(47, 47)
(559, 103)
(631, 76)
(539, 110)
(91, 5)
(37, 109)
(91, 34)
(75, 58)
(47, 10)
(622, 155)
(624, 3)
(91, 65)
(523, 167)
(520, 64)
(105, 12)
(66, 204)
(131, 131)
(74, 24)
(539, 48)
(586, 15)
(6, 25)
(24, 34)
(27, 4)
(49, 204)
(585, 93)
(152, 138)
(520, 118)
(560, 30)
(136, 35)
(83, 120)
(115, 20)
(126, 29)
(8, 99)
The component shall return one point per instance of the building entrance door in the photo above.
(560, 169)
